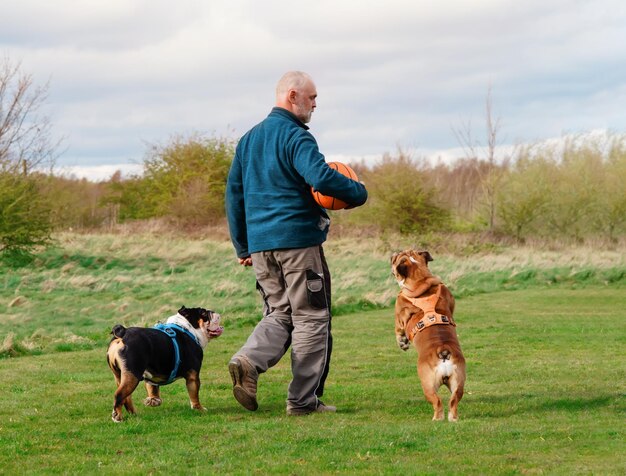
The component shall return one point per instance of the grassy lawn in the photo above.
(71, 295)
(545, 394)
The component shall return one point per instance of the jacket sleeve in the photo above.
(310, 163)
(235, 209)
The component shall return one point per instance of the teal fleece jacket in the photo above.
(269, 204)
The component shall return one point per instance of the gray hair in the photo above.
(291, 80)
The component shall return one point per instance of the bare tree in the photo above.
(25, 146)
(25, 134)
(491, 175)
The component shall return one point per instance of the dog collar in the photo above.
(431, 317)
(197, 334)
(170, 329)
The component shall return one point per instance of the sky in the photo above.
(391, 75)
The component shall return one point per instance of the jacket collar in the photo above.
(279, 111)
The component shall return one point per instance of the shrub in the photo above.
(523, 197)
(400, 199)
(24, 215)
(184, 181)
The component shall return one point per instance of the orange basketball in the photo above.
(331, 203)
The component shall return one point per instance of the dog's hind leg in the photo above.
(154, 395)
(192, 380)
(431, 395)
(128, 384)
(456, 384)
(430, 387)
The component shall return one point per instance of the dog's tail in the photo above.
(118, 331)
(444, 353)
(445, 367)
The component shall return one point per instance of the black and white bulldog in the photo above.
(160, 355)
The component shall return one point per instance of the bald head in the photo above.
(296, 92)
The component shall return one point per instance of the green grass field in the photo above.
(543, 335)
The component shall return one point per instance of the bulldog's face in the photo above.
(410, 266)
(204, 319)
(213, 327)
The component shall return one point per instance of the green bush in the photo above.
(523, 197)
(401, 199)
(24, 215)
(184, 180)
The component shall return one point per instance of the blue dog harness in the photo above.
(170, 330)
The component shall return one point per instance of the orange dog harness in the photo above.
(430, 317)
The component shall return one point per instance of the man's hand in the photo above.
(245, 261)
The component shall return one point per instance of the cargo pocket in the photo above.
(315, 290)
(266, 306)
(259, 288)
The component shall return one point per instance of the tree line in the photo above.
(573, 192)
(576, 192)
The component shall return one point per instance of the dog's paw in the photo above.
(403, 342)
(152, 402)
(116, 417)
(199, 407)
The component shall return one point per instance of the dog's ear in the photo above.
(394, 256)
(193, 315)
(426, 255)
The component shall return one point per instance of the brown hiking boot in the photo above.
(244, 377)
(321, 408)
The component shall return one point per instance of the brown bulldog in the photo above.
(424, 316)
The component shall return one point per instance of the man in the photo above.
(277, 227)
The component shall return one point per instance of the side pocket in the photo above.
(266, 306)
(315, 290)
(260, 290)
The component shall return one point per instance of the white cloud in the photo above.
(389, 74)
(99, 173)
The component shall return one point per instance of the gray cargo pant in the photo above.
(295, 286)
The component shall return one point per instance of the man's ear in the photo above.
(291, 95)
(426, 255)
